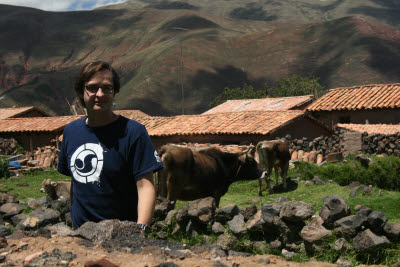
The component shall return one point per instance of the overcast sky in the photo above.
(61, 5)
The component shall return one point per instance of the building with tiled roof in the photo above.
(364, 104)
(22, 112)
(233, 127)
(36, 131)
(131, 114)
(371, 128)
(263, 104)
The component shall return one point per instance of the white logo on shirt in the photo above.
(157, 157)
(87, 163)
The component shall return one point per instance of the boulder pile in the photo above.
(286, 226)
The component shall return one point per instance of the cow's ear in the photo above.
(53, 183)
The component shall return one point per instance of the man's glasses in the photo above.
(93, 88)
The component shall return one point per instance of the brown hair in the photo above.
(88, 71)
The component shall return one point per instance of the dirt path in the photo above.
(19, 249)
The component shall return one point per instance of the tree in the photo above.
(247, 92)
(296, 85)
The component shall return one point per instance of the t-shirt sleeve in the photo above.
(62, 158)
(145, 158)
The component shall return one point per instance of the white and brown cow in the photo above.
(272, 154)
(189, 174)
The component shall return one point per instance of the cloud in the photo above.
(61, 5)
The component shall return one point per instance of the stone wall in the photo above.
(387, 145)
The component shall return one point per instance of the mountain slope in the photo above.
(162, 53)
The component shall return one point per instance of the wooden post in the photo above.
(57, 143)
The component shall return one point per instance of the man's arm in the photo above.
(147, 197)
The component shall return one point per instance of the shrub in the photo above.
(383, 173)
(4, 173)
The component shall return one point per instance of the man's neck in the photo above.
(96, 119)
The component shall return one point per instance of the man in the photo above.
(109, 157)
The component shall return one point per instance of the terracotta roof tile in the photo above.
(371, 128)
(36, 124)
(262, 104)
(13, 112)
(131, 114)
(245, 122)
(359, 97)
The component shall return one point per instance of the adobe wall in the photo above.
(376, 116)
(302, 127)
(38, 139)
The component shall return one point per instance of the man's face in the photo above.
(98, 93)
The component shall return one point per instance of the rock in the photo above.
(162, 207)
(107, 230)
(17, 218)
(367, 190)
(226, 213)
(282, 199)
(318, 180)
(333, 209)
(31, 257)
(200, 210)
(276, 244)
(10, 209)
(61, 229)
(296, 211)
(341, 244)
(4, 231)
(6, 198)
(171, 214)
(55, 258)
(3, 242)
(347, 226)
(290, 231)
(35, 203)
(376, 221)
(314, 235)
(360, 207)
(218, 228)
(342, 262)
(353, 185)
(270, 212)
(367, 241)
(46, 216)
(101, 263)
(308, 183)
(260, 246)
(237, 225)
(314, 231)
(353, 192)
(30, 223)
(227, 241)
(392, 231)
(288, 254)
(255, 222)
(249, 212)
(320, 159)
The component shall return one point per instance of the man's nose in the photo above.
(99, 92)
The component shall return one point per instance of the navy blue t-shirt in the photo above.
(104, 163)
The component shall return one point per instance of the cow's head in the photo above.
(248, 167)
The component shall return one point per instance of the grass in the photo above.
(28, 186)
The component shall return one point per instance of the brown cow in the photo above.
(272, 154)
(189, 174)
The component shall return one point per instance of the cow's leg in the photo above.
(276, 168)
(260, 179)
(171, 188)
(268, 180)
(284, 174)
